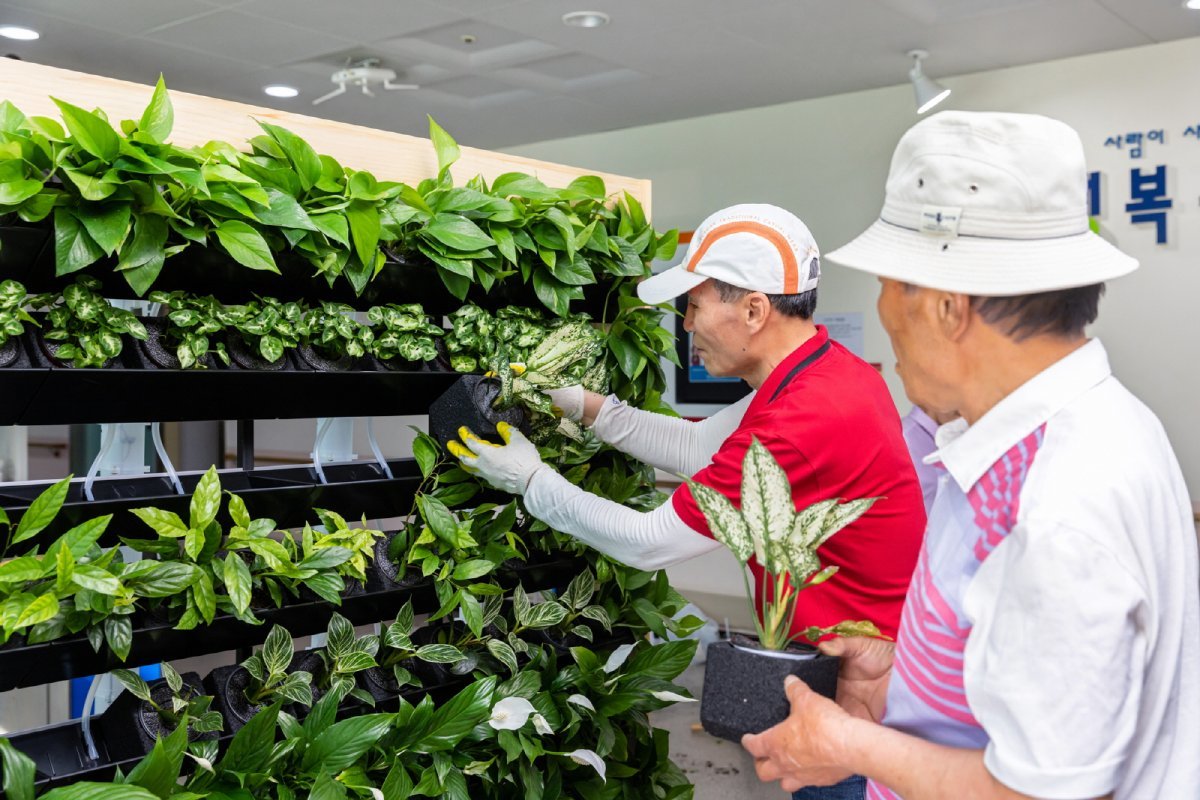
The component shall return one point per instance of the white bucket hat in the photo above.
(755, 246)
(987, 204)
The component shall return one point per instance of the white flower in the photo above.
(510, 713)
(671, 697)
(204, 763)
(376, 794)
(580, 700)
(541, 726)
(617, 658)
(589, 759)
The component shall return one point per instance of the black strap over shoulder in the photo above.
(796, 370)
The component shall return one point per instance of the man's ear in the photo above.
(954, 314)
(757, 309)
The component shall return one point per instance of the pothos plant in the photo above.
(783, 541)
(88, 327)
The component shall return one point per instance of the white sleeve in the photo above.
(1055, 661)
(668, 443)
(648, 540)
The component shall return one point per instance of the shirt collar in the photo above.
(767, 390)
(968, 452)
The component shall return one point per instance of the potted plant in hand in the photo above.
(743, 681)
(150, 711)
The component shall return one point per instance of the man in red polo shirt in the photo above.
(751, 275)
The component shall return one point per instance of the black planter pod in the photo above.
(228, 685)
(468, 403)
(130, 725)
(384, 574)
(10, 352)
(315, 358)
(743, 685)
(248, 357)
(50, 351)
(157, 348)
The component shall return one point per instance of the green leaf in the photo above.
(19, 769)
(98, 580)
(345, 742)
(15, 192)
(663, 661)
(168, 578)
(118, 632)
(206, 500)
(285, 212)
(238, 581)
(455, 719)
(469, 570)
(426, 453)
(726, 522)
(91, 187)
(141, 260)
(205, 596)
(589, 185)
(503, 653)
(251, 748)
(73, 247)
(41, 511)
(363, 217)
(90, 132)
(159, 117)
(444, 144)
(277, 650)
(40, 610)
(136, 685)
(841, 516)
(304, 159)
(458, 232)
(440, 653)
(545, 615)
(11, 118)
(86, 790)
(325, 558)
(245, 245)
(165, 523)
(326, 788)
(106, 223)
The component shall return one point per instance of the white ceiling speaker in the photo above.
(928, 91)
(363, 74)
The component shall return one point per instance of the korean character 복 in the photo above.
(1134, 140)
(1114, 141)
(1150, 203)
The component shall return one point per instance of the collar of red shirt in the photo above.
(968, 453)
(771, 384)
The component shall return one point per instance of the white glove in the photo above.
(508, 467)
(568, 400)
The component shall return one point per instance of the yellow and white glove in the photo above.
(508, 467)
(569, 401)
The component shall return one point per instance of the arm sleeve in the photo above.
(668, 443)
(1054, 665)
(644, 540)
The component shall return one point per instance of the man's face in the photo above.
(924, 358)
(718, 331)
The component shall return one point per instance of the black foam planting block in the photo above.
(743, 691)
(468, 402)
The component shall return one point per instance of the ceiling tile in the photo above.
(358, 20)
(117, 16)
(236, 35)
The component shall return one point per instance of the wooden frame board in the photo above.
(199, 119)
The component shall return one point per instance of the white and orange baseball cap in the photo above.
(754, 246)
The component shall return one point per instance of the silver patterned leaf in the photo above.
(726, 522)
(841, 516)
(808, 523)
(802, 562)
(767, 503)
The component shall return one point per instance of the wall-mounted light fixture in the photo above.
(928, 91)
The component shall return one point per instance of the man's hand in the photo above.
(864, 673)
(804, 749)
(508, 467)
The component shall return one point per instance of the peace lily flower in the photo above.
(617, 658)
(580, 700)
(671, 697)
(542, 726)
(589, 759)
(510, 713)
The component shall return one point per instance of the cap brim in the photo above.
(666, 286)
(984, 267)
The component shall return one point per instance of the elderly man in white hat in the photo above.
(750, 275)
(1050, 642)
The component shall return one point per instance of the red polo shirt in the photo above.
(835, 430)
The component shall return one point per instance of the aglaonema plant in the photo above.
(783, 541)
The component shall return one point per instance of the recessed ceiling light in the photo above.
(279, 90)
(585, 19)
(1192, 4)
(18, 32)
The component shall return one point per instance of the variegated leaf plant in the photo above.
(783, 541)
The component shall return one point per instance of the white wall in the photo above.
(827, 159)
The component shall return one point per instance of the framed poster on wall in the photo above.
(693, 383)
